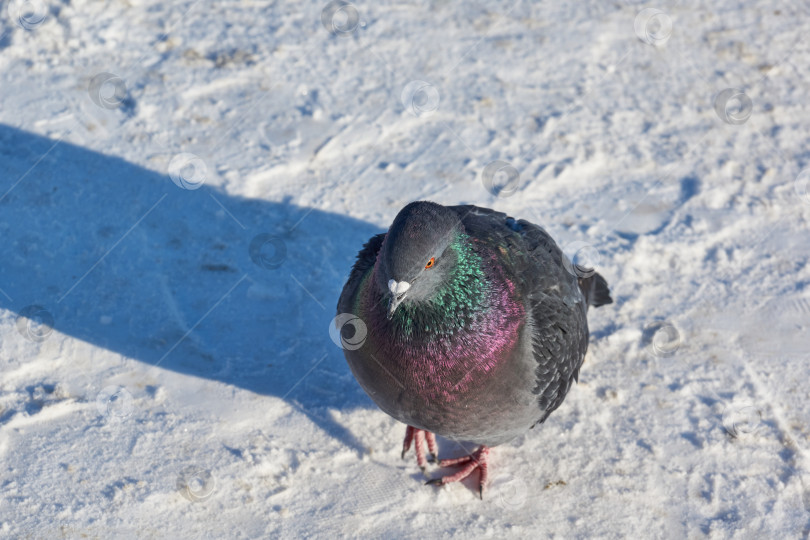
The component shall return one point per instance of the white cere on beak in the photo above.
(398, 290)
(398, 287)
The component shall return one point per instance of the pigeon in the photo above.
(474, 328)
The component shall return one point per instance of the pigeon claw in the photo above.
(476, 460)
(419, 437)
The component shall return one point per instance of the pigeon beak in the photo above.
(394, 300)
(397, 291)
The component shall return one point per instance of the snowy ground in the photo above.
(184, 186)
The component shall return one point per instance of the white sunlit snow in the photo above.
(185, 185)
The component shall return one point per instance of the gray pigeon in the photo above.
(475, 327)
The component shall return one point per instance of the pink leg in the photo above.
(419, 448)
(431, 442)
(476, 460)
(419, 437)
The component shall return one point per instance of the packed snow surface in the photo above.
(184, 187)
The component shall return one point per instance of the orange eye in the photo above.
(430, 263)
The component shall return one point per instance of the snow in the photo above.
(184, 187)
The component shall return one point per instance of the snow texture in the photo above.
(183, 189)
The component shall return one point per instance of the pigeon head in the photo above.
(415, 261)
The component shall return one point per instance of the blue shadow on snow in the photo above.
(124, 259)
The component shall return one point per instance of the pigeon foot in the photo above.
(476, 460)
(419, 437)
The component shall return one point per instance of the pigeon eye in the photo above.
(430, 263)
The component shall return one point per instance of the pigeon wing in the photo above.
(365, 260)
(555, 305)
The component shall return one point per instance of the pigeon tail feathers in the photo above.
(595, 289)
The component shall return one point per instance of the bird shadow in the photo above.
(197, 281)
